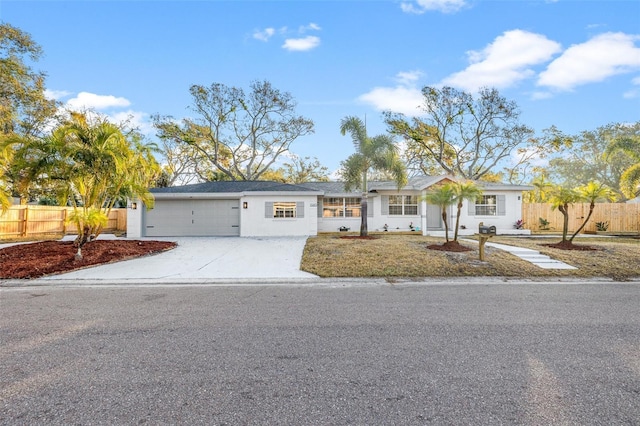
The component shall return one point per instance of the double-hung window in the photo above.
(403, 205)
(284, 209)
(488, 205)
(341, 207)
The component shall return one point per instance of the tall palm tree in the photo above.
(630, 179)
(593, 192)
(442, 196)
(373, 154)
(464, 191)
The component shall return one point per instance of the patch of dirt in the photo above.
(358, 237)
(568, 245)
(35, 260)
(454, 246)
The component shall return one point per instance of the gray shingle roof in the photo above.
(328, 188)
(232, 187)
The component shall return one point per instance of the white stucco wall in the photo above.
(503, 223)
(253, 222)
(375, 223)
(134, 219)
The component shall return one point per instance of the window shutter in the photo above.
(300, 209)
(385, 204)
(502, 205)
(370, 207)
(268, 210)
(472, 207)
(320, 206)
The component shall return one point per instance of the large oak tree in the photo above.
(462, 135)
(240, 134)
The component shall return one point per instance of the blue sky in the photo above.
(569, 63)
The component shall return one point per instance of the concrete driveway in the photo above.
(207, 259)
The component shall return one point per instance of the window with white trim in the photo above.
(284, 209)
(341, 207)
(486, 205)
(403, 205)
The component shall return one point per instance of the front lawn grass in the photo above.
(406, 255)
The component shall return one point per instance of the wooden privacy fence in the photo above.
(28, 220)
(624, 218)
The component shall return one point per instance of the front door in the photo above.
(434, 217)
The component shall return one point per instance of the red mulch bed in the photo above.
(568, 245)
(35, 260)
(449, 246)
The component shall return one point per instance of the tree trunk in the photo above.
(591, 207)
(455, 233)
(364, 205)
(565, 221)
(446, 225)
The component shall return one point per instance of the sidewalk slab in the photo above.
(541, 260)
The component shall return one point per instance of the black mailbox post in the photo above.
(486, 230)
(484, 233)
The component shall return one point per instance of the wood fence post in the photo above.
(25, 221)
(64, 221)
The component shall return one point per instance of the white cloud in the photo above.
(541, 95)
(634, 92)
(56, 94)
(265, 34)
(601, 57)
(408, 78)
(422, 6)
(301, 44)
(504, 62)
(405, 98)
(86, 100)
(134, 119)
(311, 27)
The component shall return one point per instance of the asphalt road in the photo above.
(535, 354)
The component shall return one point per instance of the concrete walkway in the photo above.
(541, 260)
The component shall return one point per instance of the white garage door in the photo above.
(174, 218)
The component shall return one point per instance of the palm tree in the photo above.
(592, 193)
(560, 198)
(86, 220)
(540, 193)
(375, 154)
(101, 166)
(464, 191)
(442, 196)
(630, 179)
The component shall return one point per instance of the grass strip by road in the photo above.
(406, 255)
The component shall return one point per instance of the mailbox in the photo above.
(486, 230)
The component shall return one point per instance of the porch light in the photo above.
(134, 206)
(245, 204)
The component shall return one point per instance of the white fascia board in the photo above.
(507, 187)
(197, 195)
(282, 193)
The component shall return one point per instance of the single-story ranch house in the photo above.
(261, 208)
